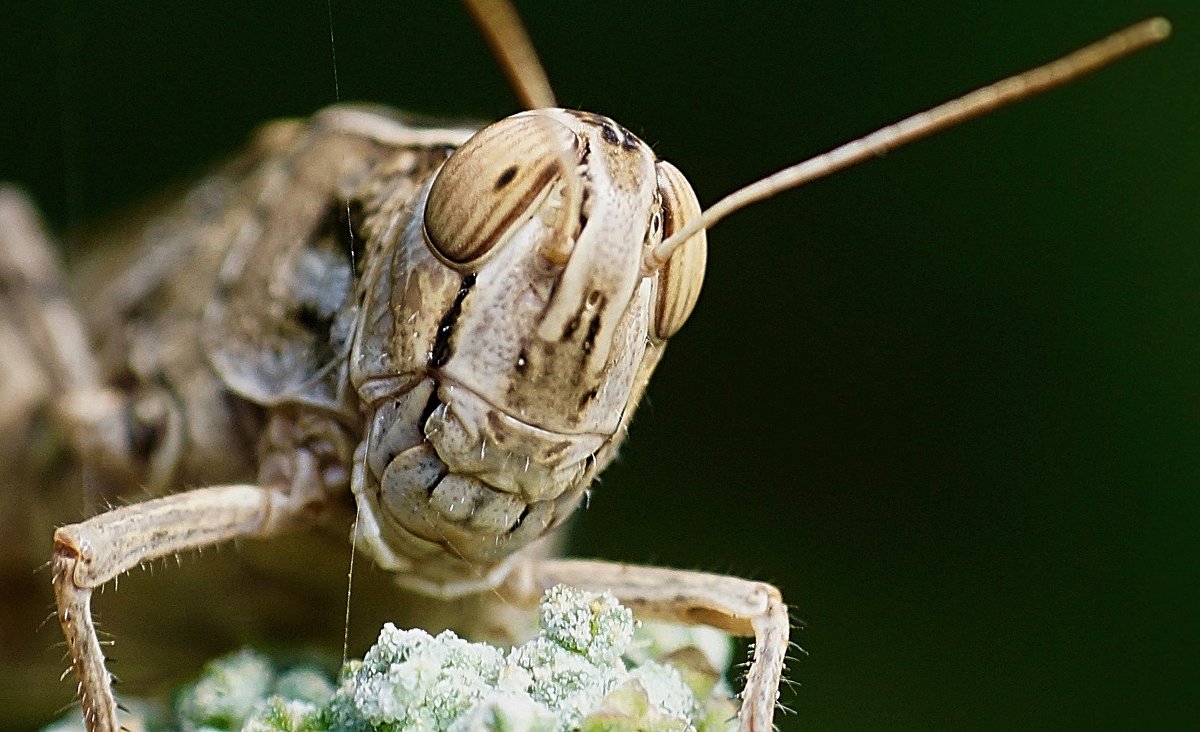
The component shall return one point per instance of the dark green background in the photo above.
(947, 401)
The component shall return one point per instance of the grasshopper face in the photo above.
(508, 329)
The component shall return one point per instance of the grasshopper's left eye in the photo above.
(494, 182)
(677, 284)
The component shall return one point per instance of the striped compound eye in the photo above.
(495, 182)
(677, 286)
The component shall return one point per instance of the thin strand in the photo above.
(337, 92)
(337, 97)
(976, 103)
(350, 584)
(502, 27)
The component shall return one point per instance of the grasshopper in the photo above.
(443, 329)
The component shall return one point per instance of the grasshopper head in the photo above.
(524, 320)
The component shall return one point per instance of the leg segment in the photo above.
(737, 606)
(89, 554)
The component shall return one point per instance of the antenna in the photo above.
(976, 103)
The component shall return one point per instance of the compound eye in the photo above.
(678, 282)
(495, 181)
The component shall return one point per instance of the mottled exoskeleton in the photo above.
(444, 329)
(453, 331)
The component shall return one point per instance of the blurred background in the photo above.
(947, 401)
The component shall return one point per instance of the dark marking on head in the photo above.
(586, 116)
(441, 351)
(609, 134)
(629, 141)
(525, 511)
(584, 156)
(495, 422)
(506, 177)
(427, 411)
(587, 398)
(571, 327)
(589, 338)
(555, 451)
(583, 211)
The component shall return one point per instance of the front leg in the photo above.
(737, 606)
(91, 553)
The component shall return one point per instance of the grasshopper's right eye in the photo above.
(677, 284)
(495, 182)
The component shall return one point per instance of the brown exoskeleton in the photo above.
(454, 330)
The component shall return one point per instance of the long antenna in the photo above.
(502, 27)
(976, 103)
